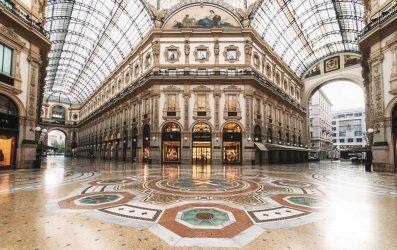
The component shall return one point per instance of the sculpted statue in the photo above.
(158, 15)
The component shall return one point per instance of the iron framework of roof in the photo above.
(91, 37)
(303, 32)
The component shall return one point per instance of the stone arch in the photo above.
(237, 122)
(390, 107)
(17, 102)
(357, 79)
(66, 132)
(202, 121)
(166, 122)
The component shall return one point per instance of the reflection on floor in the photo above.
(73, 204)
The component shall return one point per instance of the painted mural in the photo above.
(201, 17)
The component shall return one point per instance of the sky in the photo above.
(344, 95)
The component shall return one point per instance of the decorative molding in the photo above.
(230, 48)
(172, 89)
(207, 56)
(177, 56)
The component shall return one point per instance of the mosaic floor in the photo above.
(78, 204)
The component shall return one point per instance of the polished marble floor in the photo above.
(83, 204)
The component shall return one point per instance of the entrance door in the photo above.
(232, 140)
(8, 133)
(201, 144)
(201, 153)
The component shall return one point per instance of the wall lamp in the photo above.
(373, 131)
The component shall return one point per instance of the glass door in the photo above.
(202, 153)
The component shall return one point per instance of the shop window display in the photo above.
(171, 143)
(232, 143)
(8, 132)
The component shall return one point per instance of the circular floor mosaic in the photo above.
(213, 211)
(194, 187)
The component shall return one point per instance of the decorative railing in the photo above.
(274, 89)
(10, 7)
(386, 16)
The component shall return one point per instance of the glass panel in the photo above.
(202, 54)
(231, 54)
(303, 32)
(1, 57)
(7, 63)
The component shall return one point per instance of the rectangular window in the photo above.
(201, 102)
(341, 140)
(231, 54)
(350, 140)
(334, 123)
(358, 133)
(202, 54)
(359, 140)
(172, 54)
(334, 140)
(147, 106)
(171, 102)
(232, 103)
(333, 129)
(5, 60)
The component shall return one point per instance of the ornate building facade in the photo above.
(197, 95)
(378, 44)
(24, 46)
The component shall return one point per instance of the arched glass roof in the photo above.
(89, 39)
(303, 32)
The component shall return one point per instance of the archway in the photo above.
(171, 143)
(56, 139)
(146, 143)
(336, 119)
(231, 143)
(9, 131)
(201, 143)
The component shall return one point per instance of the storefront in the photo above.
(9, 125)
(231, 143)
(201, 144)
(146, 143)
(171, 143)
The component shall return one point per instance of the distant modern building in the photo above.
(348, 130)
(320, 116)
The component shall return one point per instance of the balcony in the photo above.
(386, 16)
(9, 6)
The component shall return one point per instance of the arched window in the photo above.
(58, 114)
(7, 106)
(171, 142)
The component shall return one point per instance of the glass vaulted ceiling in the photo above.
(89, 39)
(303, 32)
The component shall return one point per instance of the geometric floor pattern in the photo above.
(234, 209)
(117, 206)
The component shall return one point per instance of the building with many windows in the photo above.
(349, 130)
(320, 116)
(24, 46)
